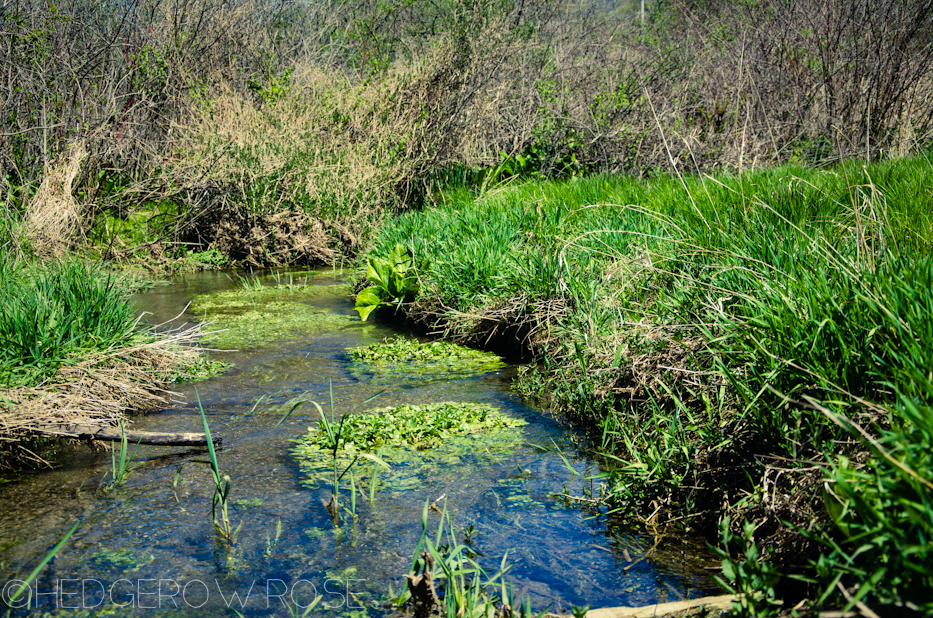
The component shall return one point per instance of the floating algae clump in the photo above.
(399, 358)
(251, 317)
(414, 441)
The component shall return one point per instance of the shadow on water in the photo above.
(149, 543)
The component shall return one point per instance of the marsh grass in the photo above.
(222, 485)
(733, 342)
(72, 353)
(467, 590)
(52, 316)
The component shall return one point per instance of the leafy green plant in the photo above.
(393, 278)
(402, 443)
(417, 427)
(210, 259)
(750, 578)
(883, 508)
(579, 612)
(413, 355)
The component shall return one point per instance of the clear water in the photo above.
(148, 547)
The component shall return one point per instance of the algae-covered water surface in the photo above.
(502, 469)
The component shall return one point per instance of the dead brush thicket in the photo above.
(213, 111)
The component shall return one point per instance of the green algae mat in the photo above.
(415, 441)
(249, 317)
(398, 358)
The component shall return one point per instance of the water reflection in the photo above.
(137, 541)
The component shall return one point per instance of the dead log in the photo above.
(113, 434)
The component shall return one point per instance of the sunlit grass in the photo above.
(50, 316)
(786, 313)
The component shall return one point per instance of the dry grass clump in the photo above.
(53, 217)
(96, 391)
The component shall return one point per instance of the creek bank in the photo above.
(728, 342)
(74, 356)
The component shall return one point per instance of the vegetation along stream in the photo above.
(515, 491)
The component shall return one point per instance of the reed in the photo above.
(120, 464)
(332, 437)
(24, 586)
(220, 499)
(467, 591)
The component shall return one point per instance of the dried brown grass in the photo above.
(53, 217)
(97, 391)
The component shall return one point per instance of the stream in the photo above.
(148, 547)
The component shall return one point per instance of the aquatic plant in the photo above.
(291, 280)
(467, 590)
(333, 440)
(221, 495)
(412, 441)
(16, 591)
(202, 368)
(120, 465)
(249, 283)
(418, 427)
(394, 278)
(400, 358)
(246, 318)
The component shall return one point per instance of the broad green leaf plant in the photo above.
(394, 281)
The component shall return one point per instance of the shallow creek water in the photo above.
(148, 547)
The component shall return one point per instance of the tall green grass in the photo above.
(781, 315)
(53, 316)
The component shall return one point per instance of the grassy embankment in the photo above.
(753, 347)
(72, 354)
